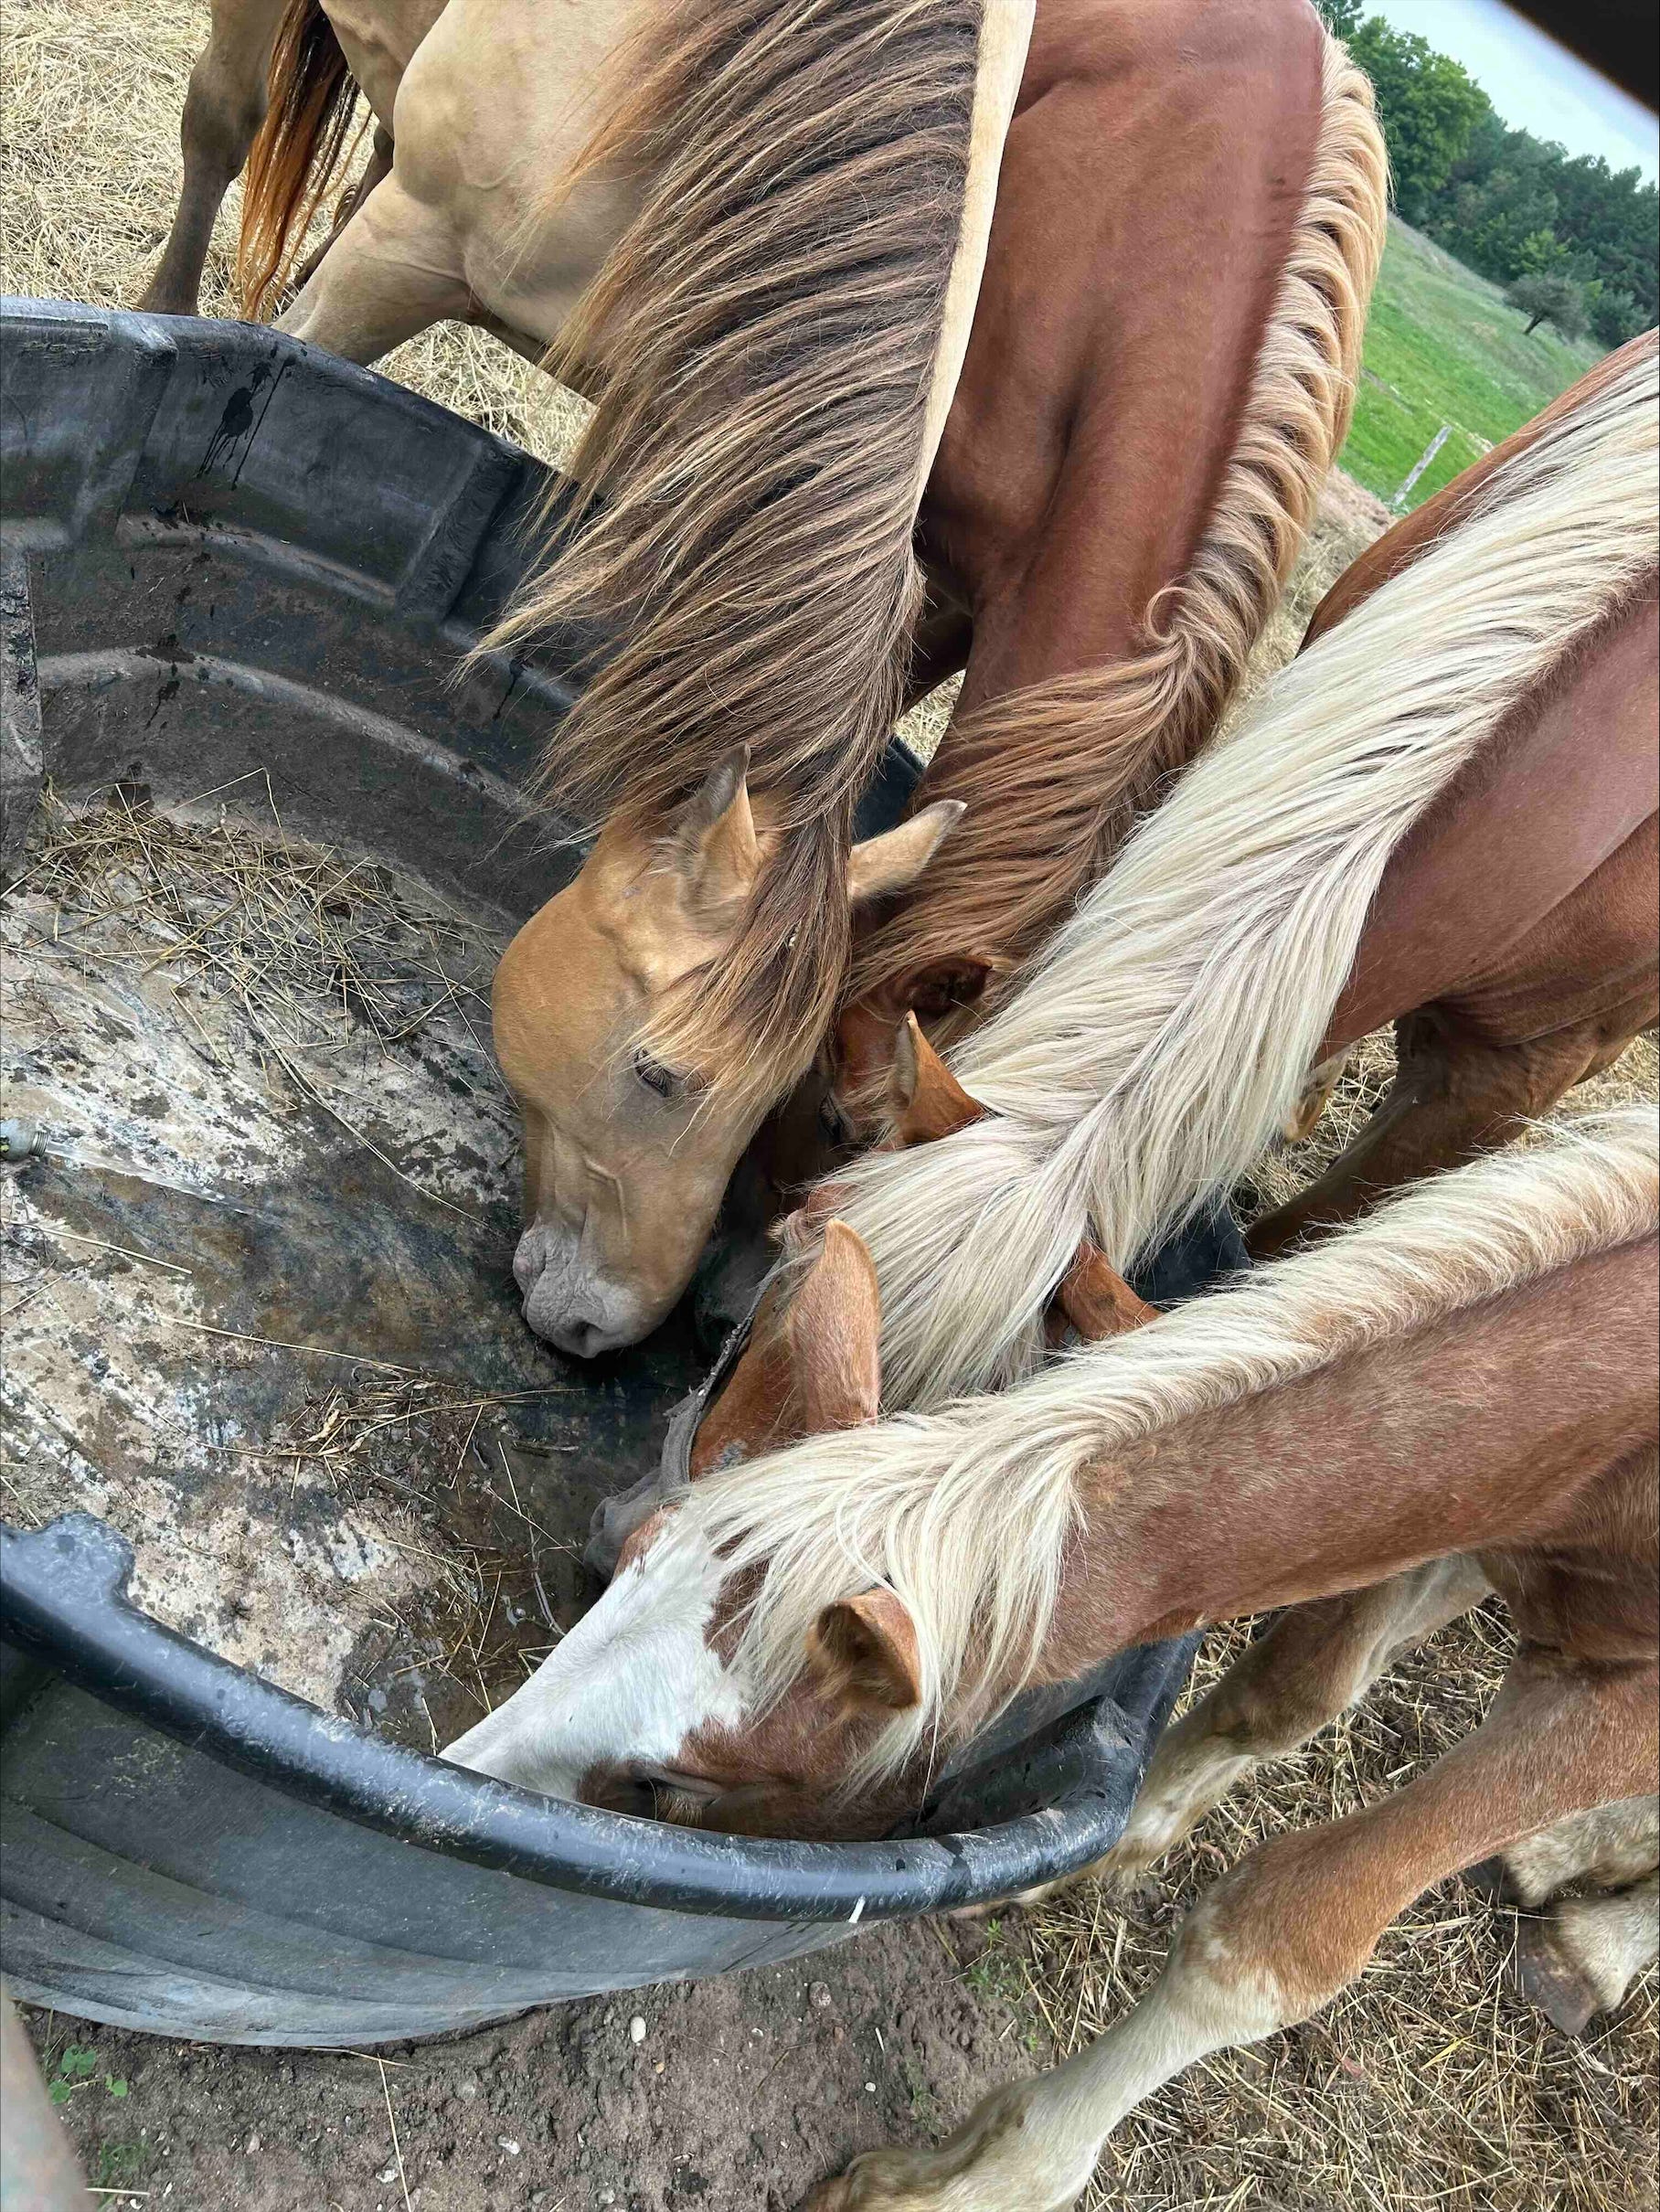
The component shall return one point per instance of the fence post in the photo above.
(1421, 463)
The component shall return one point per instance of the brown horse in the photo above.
(1412, 806)
(1512, 942)
(1187, 223)
(791, 1647)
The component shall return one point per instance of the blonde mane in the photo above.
(1053, 776)
(766, 331)
(968, 1513)
(1161, 1040)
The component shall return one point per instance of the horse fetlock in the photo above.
(1610, 1844)
(1197, 1774)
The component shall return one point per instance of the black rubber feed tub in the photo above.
(205, 524)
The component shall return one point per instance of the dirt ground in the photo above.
(740, 2092)
(1429, 2085)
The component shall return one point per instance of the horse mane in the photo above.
(765, 332)
(1160, 1043)
(968, 1514)
(1054, 774)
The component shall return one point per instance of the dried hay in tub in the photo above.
(257, 1306)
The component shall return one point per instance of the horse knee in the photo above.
(1284, 1931)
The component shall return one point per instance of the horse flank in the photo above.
(967, 1514)
(1055, 773)
(765, 334)
(1162, 1040)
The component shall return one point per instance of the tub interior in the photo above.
(259, 1309)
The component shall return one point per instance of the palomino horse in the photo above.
(1188, 219)
(1481, 724)
(792, 1647)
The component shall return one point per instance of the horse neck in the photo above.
(1472, 1432)
(1141, 427)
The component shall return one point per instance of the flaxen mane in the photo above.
(767, 329)
(1161, 1040)
(967, 1514)
(1054, 775)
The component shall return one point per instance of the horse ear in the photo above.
(894, 860)
(1097, 1299)
(924, 1099)
(936, 988)
(864, 1652)
(717, 852)
(834, 1331)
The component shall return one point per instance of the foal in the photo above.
(802, 1637)
(1445, 774)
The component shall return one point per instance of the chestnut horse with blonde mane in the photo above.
(1446, 804)
(1188, 213)
(793, 1645)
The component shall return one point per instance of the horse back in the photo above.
(1531, 875)
(1400, 546)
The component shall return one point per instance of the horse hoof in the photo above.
(1550, 1979)
(1490, 1879)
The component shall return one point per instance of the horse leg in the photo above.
(223, 109)
(1283, 1933)
(392, 271)
(1455, 1093)
(378, 167)
(1316, 1661)
(1579, 1957)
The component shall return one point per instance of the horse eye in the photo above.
(656, 1076)
(832, 1124)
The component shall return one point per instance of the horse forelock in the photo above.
(970, 1514)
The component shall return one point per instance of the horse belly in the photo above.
(1548, 802)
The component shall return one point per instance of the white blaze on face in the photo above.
(631, 1681)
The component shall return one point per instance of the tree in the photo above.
(1501, 201)
(1550, 298)
(1342, 17)
(1429, 104)
(1615, 317)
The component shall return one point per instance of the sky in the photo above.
(1535, 84)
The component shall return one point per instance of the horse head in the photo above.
(653, 1705)
(626, 1157)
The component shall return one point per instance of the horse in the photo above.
(1449, 793)
(792, 1646)
(1118, 457)
(1511, 968)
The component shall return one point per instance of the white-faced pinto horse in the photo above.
(794, 1645)
(754, 233)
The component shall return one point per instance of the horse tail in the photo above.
(299, 147)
